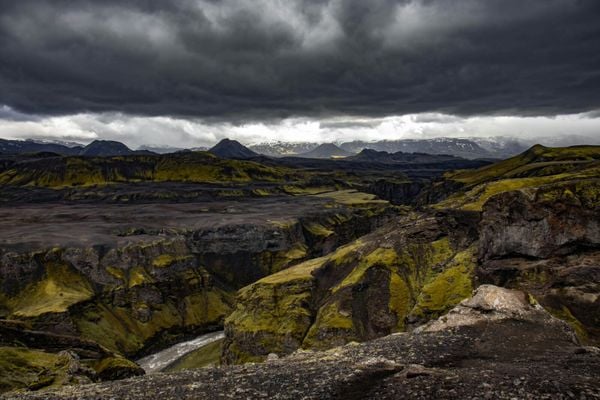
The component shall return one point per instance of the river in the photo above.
(158, 361)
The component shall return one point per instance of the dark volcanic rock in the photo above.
(398, 192)
(494, 346)
(547, 242)
(533, 225)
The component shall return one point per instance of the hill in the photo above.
(535, 167)
(401, 157)
(105, 148)
(233, 149)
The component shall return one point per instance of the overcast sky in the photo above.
(190, 72)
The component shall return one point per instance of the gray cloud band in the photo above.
(251, 60)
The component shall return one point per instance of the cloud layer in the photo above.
(243, 61)
(164, 131)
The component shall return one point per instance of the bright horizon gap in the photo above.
(166, 131)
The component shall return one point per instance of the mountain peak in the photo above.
(228, 148)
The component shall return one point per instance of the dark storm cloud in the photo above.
(262, 59)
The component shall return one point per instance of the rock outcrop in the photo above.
(495, 345)
(547, 241)
(403, 274)
(35, 359)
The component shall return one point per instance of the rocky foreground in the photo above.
(497, 344)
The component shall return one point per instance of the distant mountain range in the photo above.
(97, 148)
(469, 148)
(466, 148)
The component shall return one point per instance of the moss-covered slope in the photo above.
(401, 274)
(536, 167)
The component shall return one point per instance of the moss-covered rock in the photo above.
(205, 356)
(22, 368)
(545, 241)
(534, 168)
(402, 273)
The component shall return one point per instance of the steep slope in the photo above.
(231, 149)
(547, 241)
(406, 272)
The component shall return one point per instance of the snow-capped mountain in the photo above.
(282, 149)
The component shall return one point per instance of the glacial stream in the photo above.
(158, 361)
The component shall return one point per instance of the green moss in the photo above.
(138, 276)
(302, 191)
(536, 167)
(330, 317)
(283, 259)
(60, 288)
(21, 368)
(353, 198)
(565, 314)
(116, 272)
(166, 260)
(118, 328)
(446, 289)
(110, 366)
(401, 301)
(347, 254)
(535, 155)
(261, 192)
(318, 230)
(302, 271)
(380, 256)
(208, 307)
(441, 251)
(331, 322)
(203, 357)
